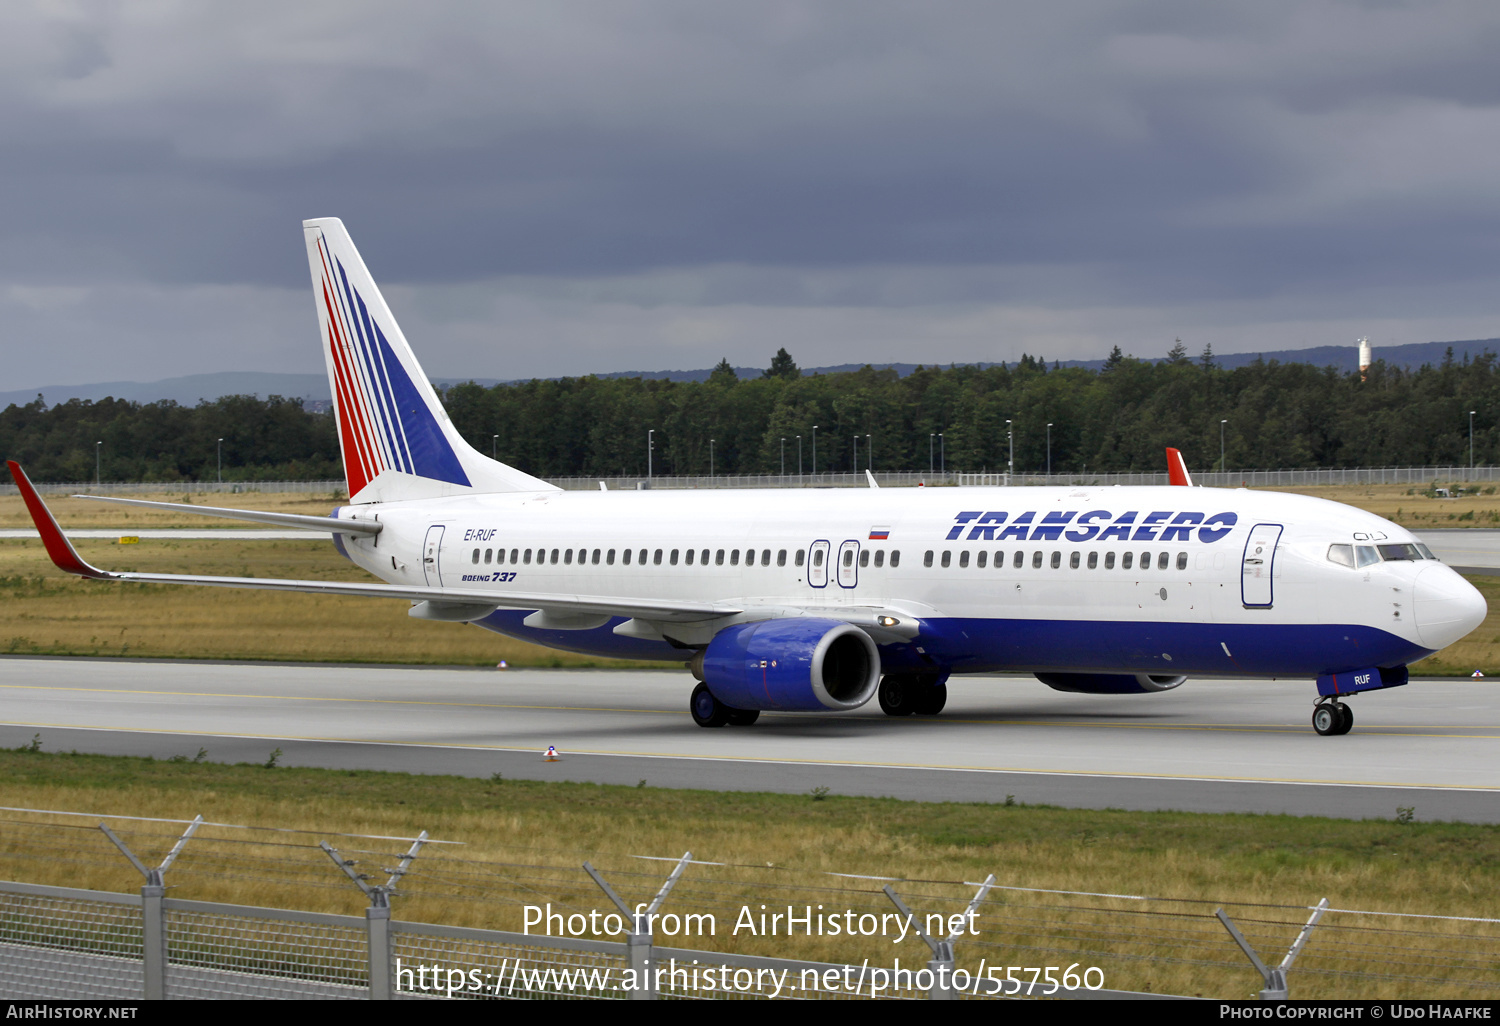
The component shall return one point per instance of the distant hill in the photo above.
(313, 388)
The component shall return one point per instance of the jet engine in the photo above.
(804, 664)
(1110, 683)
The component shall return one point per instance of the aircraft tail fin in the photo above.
(1177, 472)
(397, 440)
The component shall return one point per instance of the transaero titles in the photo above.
(1095, 525)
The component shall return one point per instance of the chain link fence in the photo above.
(630, 926)
(886, 479)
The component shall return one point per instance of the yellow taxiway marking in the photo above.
(1141, 775)
(1386, 730)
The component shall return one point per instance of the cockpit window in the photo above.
(1425, 551)
(1365, 555)
(1397, 552)
(1343, 555)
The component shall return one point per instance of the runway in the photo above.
(1208, 746)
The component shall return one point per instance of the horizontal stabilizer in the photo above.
(328, 525)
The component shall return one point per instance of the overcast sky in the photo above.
(558, 188)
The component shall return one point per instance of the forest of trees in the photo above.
(1119, 418)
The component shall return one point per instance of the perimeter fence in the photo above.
(613, 925)
(859, 479)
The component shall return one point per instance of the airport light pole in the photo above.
(98, 478)
(710, 459)
(931, 448)
(495, 448)
(221, 460)
(869, 455)
(799, 459)
(783, 456)
(854, 457)
(650, 446)
(1049, 451)
(942, 456)
(1010, 461)
(1222, 467)
(1471, 443)
(815, 451)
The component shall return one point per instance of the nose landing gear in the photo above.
(1332, 718)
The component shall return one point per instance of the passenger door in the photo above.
(817, 564)
(1258, 565)
(432, 548)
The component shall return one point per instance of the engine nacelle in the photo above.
(1110, 683)
(804, 664)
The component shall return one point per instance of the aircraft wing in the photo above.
(66, 558)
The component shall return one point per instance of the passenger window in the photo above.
(979, 559)
(513, 556)
(1162, 559)
(567, 557)
(1093, 560)
(656, 559)
(1182, 560)
(947, 558)
(963, 558)
(749, 557)
(641, 559)
(880, 558)
(528, 557)
(927, 559)
(690, 554)
(895, 559)
(476, 556)
(1365, 555)
(1056, 560)
(1019, 560)
(801, 556)
(781, 557)
(734, 557)
(554, 555)
(1126, 560)
(848, 558)
(673, 557)
(999, 560)
(1145, 561)
(1073, 561)
(500, 556)
(609, 557)
(627, 554)
(488, 554)
(864, 557)
(765, 557)
(703, 557)
(1109, 561)
(596, 557)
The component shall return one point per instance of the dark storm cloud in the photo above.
(1100, 153)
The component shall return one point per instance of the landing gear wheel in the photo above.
(897, 695)
(707, 710)
(742, 717)
(1346, 719)
(1328, 721)
(930, 699)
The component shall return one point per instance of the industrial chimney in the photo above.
(1364, 358)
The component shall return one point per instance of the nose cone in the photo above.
(1446, 607)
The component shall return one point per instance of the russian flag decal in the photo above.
(879, 533)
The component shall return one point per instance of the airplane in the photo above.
(817, 600)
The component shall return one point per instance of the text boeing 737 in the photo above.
(817, 600)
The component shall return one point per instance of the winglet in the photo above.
(1177, 472)
(58, 547)
(871, 478)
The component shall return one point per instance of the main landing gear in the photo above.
(904, 694)
(1332, 718)
(708, 711)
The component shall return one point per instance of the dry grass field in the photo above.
(523, 843)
